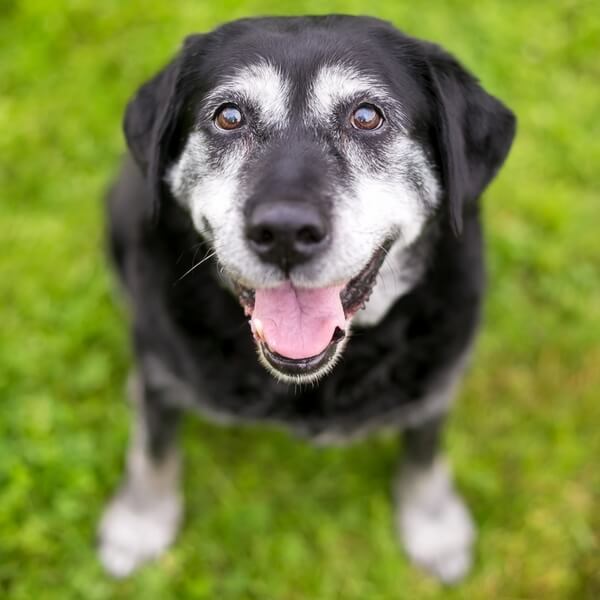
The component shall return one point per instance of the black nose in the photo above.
(286, 233)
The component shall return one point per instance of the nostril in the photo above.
(309, 235)
(261, 235)
(264, 237)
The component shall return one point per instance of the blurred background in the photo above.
(269, 517)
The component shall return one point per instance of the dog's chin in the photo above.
(301, 370)
(352, 297)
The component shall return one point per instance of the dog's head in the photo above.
(303, 149)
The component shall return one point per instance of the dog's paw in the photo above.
(132, 532)
(435, 526)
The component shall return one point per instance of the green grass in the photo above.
(269, 517)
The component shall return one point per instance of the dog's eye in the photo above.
(367, 117)
(228, 117)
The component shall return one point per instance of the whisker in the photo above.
(382, 247)
(198, 248)
(207, 257)
(193, 247)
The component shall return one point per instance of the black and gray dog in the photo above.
(327, 170)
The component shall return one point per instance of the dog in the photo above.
(311, 177)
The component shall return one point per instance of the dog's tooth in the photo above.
(257, 327)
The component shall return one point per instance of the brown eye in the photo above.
(366, 117)
(228, 117)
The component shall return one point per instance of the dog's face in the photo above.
(304, 149)
(303, 169)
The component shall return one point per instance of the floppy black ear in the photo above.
(151, 119)
(474, 132)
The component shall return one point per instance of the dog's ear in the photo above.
(151, 119)
(474, 131)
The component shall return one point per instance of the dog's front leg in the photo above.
(142, 519)
(432, 520)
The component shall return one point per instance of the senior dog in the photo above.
(313, 176)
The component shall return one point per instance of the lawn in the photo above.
(269, 517)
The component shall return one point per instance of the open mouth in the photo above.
(300, 331)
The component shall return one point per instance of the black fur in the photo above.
(196, 328)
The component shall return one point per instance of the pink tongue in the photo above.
(297, 323)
